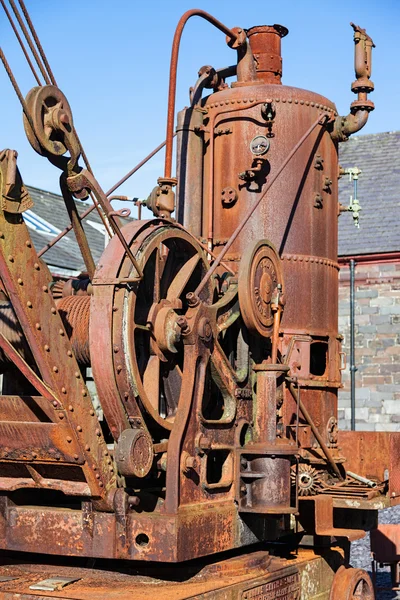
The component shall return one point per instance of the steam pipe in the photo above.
(344, 127)
(235, 37)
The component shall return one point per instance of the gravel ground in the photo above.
(360, 556)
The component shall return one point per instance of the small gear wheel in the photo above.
(308, 479)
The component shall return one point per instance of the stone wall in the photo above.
(377, 341)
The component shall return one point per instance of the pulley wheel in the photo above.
(52, 120)
(260, 273)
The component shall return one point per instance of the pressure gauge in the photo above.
(259, 145)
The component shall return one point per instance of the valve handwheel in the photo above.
(260, 274)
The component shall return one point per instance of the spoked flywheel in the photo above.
(148, 317)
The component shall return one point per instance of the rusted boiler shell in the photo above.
(299, 215)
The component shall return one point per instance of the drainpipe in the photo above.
(353, 367)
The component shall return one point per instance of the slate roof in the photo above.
(65, 255)
(378, 157)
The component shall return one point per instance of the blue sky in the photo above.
(111, 59)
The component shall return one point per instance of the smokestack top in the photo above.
(265, 43)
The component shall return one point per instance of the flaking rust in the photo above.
(212, 335)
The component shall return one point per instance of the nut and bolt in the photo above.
(229, 196)
(182, 324)
(192, 299)
(205, 330)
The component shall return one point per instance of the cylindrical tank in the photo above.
(299, 213)
(249, 129)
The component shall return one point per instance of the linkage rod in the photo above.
(110, 191)
(16, 88)
(21, 43)
(30, 43)
(320, 121)
(315, 431)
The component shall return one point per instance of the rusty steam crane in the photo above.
(212, 334)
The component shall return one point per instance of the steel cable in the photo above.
(37, 41)
(21, 43)
(30, 42)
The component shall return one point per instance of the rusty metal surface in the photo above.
(385, 543)
(213, 425)
(352, 583)
(255, 575)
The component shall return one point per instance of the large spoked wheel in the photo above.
(154, 318)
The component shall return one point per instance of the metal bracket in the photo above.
(53, 583)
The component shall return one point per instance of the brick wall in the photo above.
(377, 341)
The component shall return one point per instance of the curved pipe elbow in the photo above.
(344, 127)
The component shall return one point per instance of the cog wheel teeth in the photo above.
(308, 480)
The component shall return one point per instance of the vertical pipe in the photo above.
(189, 168)
(353, 367)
